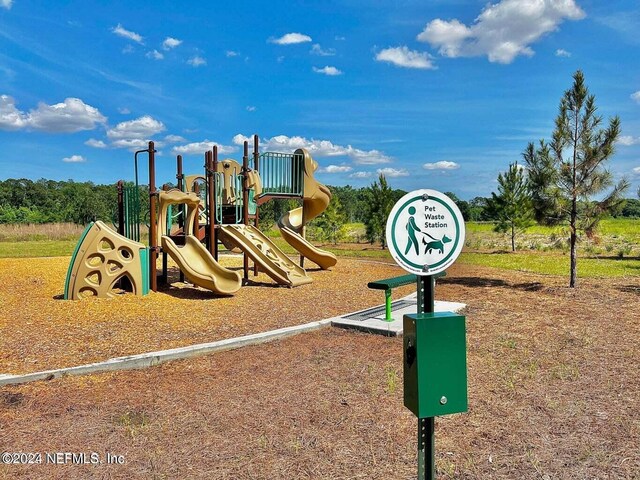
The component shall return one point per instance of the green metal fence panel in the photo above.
(282, 174)
(132, 213)
(238, 182)
(219, 187)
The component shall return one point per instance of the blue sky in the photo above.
(438, 94)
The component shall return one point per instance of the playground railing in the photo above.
(131, 212)
(281, 173)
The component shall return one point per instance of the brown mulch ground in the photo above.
(553, 394)
(39, 331)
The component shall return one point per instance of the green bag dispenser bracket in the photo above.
(435, 364)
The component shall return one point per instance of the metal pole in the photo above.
(256, 218)
(180, 178)
(214, 167)
(245, 202)
(211, 204)
(120, 207)
(153, 234)
(426, 286)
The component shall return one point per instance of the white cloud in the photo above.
(74, 159)
(628, 140)
(197, 61)
(319, 148)
(155, 54)
(441, 165)
(636, 96)
(170, 43)
(122, 32)
(403, 57)
(250, 108)
(133, 143)
(10, 117)
(6, 4)
(361, 175)
(636, 170)
(134, 134)
(316, 49)
(72, 115)
(330, 71)
(561, 52)
(393, 172)
(231, 53)
(291, 38)
(92, 142)
(449, 36)
(198, 148)
(174, 139)
(239, 139)
(336, 169)
(502, 31)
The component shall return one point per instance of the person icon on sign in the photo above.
(412, 228)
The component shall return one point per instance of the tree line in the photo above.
(49, 201)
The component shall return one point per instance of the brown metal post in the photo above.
(120, 187)
(214, 203)
(196, 222)
(180, 178)
(245, 201)
(256, 160)
(211, 206)
(153, 234)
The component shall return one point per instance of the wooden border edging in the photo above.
(150, 359)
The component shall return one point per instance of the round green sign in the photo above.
(425, 232)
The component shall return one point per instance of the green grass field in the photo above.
(614, 252)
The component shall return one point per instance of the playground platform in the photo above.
(372, 320)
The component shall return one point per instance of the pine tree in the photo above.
(512, 206)
(331, 222)
(380, 200)
(565, 174)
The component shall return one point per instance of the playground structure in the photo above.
(189, 222)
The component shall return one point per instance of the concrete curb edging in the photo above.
(150, 359)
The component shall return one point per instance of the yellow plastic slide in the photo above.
(200, 268)
(315, 201)
(320, 257)
(195, 261)
(269, 258)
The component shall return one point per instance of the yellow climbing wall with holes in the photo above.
(105, 263)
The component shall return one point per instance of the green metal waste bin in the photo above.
(435, 364)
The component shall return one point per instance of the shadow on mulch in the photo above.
(630, 289)
(189, 293)
(490, 282)
(11, 399)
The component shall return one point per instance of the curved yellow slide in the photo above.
(315, 201)
(195, 261)
(269, 258)
(200, 268)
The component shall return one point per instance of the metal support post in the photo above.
(426, 286)
(245, 203)
(387, 305)
(153, 233)
(181, 187)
